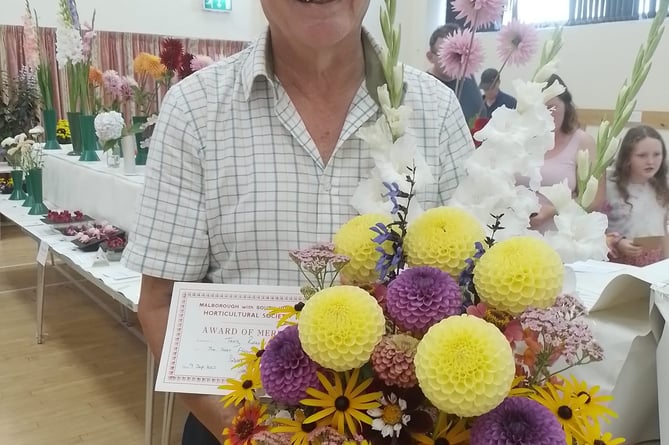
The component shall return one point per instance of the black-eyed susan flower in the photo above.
(564, 407)
(242, 390)
(249, 421)
(592, 434)
(287, 313)
(296, 426)
(450, 431)
(591, 404)
(343, 407)
(252, 358)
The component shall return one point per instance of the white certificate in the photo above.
(209, 326)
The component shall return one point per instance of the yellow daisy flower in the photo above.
(286, 312)
(343, 407)
(592, 405)
(243, 389)
(592, 435)
(250, 359)
(564, 407)
(452, 431)
(297, 426)
(519, 391)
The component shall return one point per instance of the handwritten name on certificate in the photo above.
(209, 326)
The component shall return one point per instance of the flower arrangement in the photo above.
(63, 131)
(110, 128)
(6, 186)
(74, 42)
(23, 151)
(443, 330)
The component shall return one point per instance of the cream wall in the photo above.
(594, 61)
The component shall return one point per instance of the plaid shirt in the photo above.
(234, 181)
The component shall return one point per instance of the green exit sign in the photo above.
(217, 5)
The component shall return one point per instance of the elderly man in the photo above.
(258, 154)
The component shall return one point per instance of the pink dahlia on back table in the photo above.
(461, 54)
(479, 13)
(517, 42)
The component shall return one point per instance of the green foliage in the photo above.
(19, 105)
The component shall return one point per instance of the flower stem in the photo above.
(459, 84)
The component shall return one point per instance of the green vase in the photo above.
(142, 153)
(74, 119)
(29, 192)
(18, 194)
(38, 207)
(89, 140)
(49, 120)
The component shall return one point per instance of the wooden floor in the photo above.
(86, 383)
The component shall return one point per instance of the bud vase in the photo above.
(114, 156)
(29, 192)
(142, 153)
(18, 194)
(74, 119)
(128, 144)
(38, 207)
(89, 140)
(49, 120)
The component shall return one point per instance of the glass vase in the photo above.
(114, 156)
(38, 207)
(49, 120)
(18, 194)
(74, 119)
(89, 140)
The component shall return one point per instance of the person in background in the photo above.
(493, 97)
(637, 198)
(560, 161)
(258, 154)
(470, 97)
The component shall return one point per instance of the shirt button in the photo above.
(326, 186)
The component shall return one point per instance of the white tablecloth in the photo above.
(100, 191)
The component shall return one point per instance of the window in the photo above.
(576, 12)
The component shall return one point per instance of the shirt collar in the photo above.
(259, 64)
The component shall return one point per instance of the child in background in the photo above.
(638, 198)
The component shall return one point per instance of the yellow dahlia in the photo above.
(354, 240)
(340, 326)
(464, 366)
(443, 237)
(518, 273)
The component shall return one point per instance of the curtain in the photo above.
(111, 51)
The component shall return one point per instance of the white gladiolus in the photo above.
(590, 192)
(583, 164)
(611, 150)
(546, 71)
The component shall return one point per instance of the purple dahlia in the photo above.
(421, 297)
(286, 370)
(518, 421)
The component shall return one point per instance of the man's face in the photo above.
(433, 58)
(316, 23)
(492, 90)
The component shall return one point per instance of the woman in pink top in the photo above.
(560, 161)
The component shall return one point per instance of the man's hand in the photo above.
(628, 248)
(153, 313)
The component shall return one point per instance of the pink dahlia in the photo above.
(392, 360)
(517, 42)
(479, 13)
(286, 371)
(421, 297)
(200, 62)
(461, 54)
